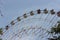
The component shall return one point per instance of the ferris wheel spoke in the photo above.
(35, 23)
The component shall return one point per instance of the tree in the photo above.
(1, 32)
(56, 31)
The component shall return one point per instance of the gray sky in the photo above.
(11, 9)
(14, 8)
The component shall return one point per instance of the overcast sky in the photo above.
(11, 9)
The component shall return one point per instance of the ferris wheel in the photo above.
(34, 25)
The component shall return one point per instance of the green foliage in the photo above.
(1, 32)
(56, 30)
(58, 25)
